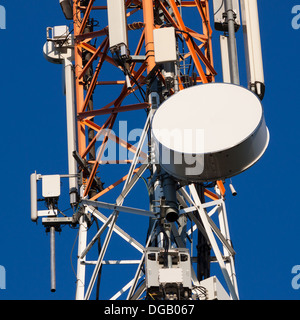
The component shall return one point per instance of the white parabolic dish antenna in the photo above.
(209, 132)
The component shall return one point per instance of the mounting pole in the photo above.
(52, 259)
(82, 241)
(232, 51)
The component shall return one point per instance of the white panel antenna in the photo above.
(225, 59)
(33, 196)
(117, 24)
(253, 52)
(51, 186)
(165, 45)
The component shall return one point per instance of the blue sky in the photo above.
(264, 218)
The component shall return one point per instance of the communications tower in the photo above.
(153, 139)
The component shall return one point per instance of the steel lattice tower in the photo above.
(186, 222)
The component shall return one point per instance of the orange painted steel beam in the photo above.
(204, 13)
(211, 195)
(221, 187)
(107, 83)
(115, 138)
(110, 122)
(117, 161)
(205, 61)
(112, 186)
(95, 77)
(201, 56)
(139, 106)
(192, 3)
(196, 35)
(149, 27)
(99, 156)
(81, 42)
(86, 16)
(104, 32)
(92, 143)
(92, 50)
(187, 34)
(188, 41)
(94, 7)
(93, 58)
(91, 35)
(131, 107)
(79, 91)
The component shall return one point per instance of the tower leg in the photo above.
(208, 225)
(82, 240)
(52, 259)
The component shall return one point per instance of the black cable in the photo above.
(219, 8)
(126, 72)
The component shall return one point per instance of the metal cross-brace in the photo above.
(225, 260)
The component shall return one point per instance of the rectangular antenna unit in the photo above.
(117, 24)
(50, 189)
(165, 45)
(51, 186)
(220, 15)
(225, 59)
(33, 196)
(253, 52)
(57, 33)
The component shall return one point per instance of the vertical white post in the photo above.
(82, 240)
(71, 127)
(224, 227)
(230, 265)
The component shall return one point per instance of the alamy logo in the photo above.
(2, 18)
(2, 278)
(188, 146)
(296, 18)
(296, 278)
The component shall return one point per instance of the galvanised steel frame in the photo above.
(194, 66)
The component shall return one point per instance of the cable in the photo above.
(71, 254)
(146, 185)
(127, 73)
(202, 292)
(219, 8)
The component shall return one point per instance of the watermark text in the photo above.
(296, 18)
(296, 278)
(2, 18)
(167, 147)
(2, 278)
